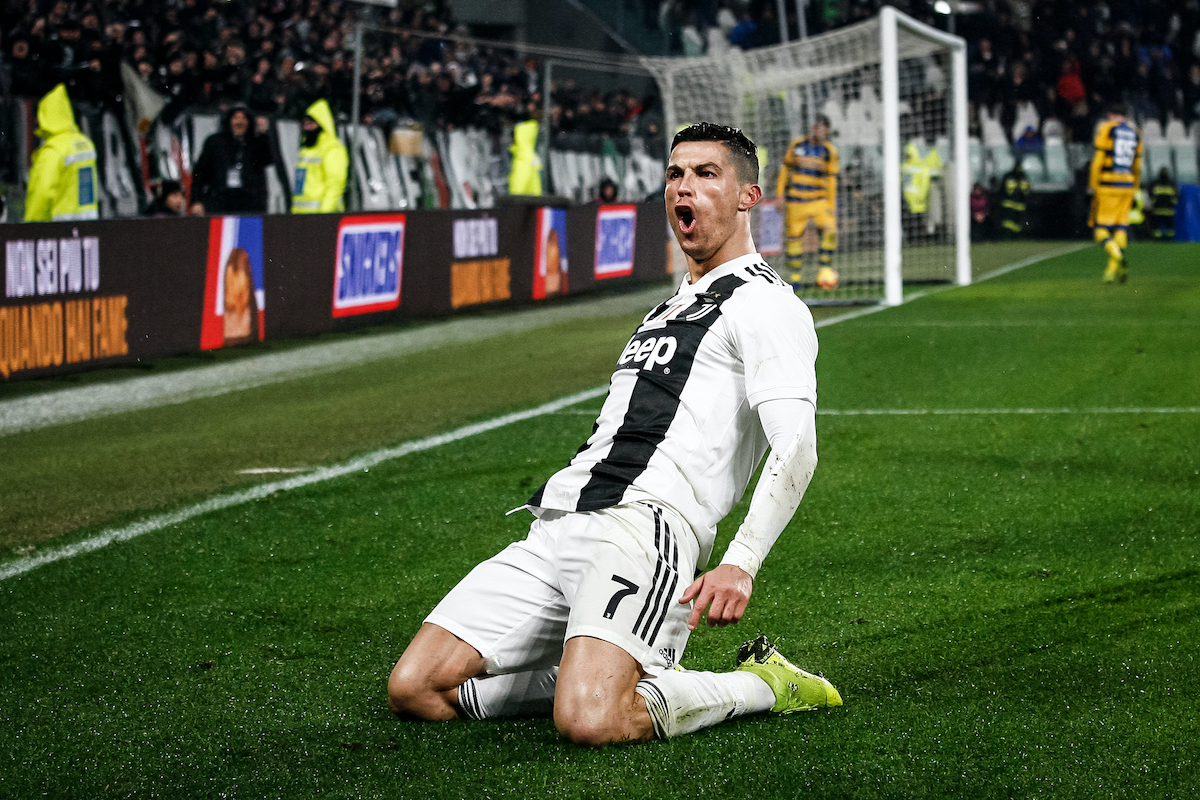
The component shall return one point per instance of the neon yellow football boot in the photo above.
(795, 690)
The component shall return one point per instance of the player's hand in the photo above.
(724, 591)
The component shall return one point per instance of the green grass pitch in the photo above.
(997, 564)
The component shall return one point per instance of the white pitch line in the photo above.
(360, 464)
(23, 565)
(916, 412)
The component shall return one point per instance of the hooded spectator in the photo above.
(230, 175)
(62, 178)
(322, 165)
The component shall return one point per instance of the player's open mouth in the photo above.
(687, 219)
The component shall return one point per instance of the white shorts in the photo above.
(615, 574)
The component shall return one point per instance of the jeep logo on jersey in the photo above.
(648, 352)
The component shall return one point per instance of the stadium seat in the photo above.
(1027, 117)
(1176, 132)
(1185, 163)
(1052, 128)
(1152, 132)
(1002, 159)
(992, 131)
(1156, 156)
(1057, 171)
(975, 153)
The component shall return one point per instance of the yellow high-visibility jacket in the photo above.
(321, 170)
(63, 180)
(525, 175)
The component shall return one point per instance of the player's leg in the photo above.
(425, 681)
(618, 681)
(827, 225)
(827, 277)
(1111, 224)
(596, 701)
(491, 646)
(797, 221)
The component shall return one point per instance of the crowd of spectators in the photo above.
(1066, 57)
(278, 56)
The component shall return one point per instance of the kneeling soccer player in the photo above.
(588, 616)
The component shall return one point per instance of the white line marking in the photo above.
(88, 402)
(23, 565)
(360, 464)
(987, 276)
(915, 412)
(273, 470)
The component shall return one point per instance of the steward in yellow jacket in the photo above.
(322, 165)
(63, 178)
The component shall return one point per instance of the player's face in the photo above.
(703, 197)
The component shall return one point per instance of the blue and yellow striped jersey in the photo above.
(809, 172)
(1117, 162)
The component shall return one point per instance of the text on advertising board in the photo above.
(370, 257)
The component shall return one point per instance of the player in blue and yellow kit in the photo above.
(807, 184)
(1115, 177)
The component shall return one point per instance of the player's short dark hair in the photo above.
(742, 151)
(1117, 107)
(821, 119)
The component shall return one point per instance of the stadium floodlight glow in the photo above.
(942, 7)
(895, 90)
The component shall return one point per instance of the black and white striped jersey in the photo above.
(679, 424)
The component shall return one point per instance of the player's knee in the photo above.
(412, 695)
(582, 718)
(586, 730)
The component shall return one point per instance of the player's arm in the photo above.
(1099, 154)
(832, 178)
(790, 425)
(785, 172)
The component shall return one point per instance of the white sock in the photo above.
(519, 694)
(684, 702)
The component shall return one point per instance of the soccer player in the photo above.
(807, 188)
(589, 615)
(1115, 176)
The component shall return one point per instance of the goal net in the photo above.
(894, 90)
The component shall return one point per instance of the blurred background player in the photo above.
(1115, 176)
(62, 176)
(1164, 196)
(807, 188)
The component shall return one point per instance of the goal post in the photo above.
(895, 91)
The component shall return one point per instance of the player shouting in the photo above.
(590, 613)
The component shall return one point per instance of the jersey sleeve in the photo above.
(834, 168)
(785, 171)
(774, 335)
(1099, 154)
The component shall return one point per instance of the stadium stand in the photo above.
(1049, 64)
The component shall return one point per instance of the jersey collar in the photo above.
(728, 268)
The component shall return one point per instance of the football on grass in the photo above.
(827, 278)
